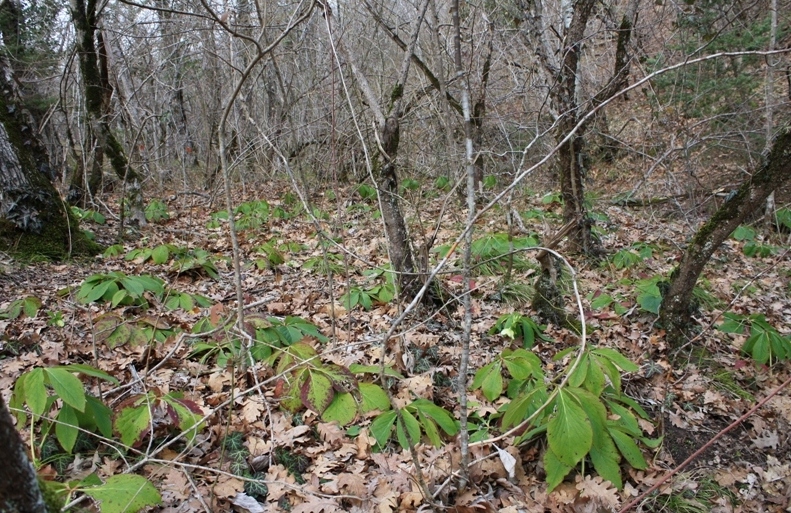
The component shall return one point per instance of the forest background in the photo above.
(395, 256)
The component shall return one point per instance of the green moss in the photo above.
(52, 243)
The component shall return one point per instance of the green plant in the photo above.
(171, 411)
(365, 297)
(28, 306)
(333, 263)
(409, 184)
(442, 183)
(114, 330)
(490, 182)
(186, 301)
(783, 218)
(752, 247)
(271, 334)
(419, 417)
(632, 255)
(765, 344)
(238, 454)
(515, 293)
(248, 215)
(366, 192)
(601, 300)
(41, 389)
(272, 256)
(55, 319)
(158, 255)
(492, 253)
(519, 327)
(196, 260)
(551, 198)
(88, 215)
(119, 289)
(113, 251)
(589, 419)
(649, 296)
(157, 211)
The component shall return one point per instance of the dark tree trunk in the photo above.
(400, 250)
(33, 219)
(675, 313)
(19, 490)
(93, 67)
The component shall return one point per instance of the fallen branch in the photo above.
(706, 446)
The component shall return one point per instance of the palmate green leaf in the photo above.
(35, 392)
(569, 431)
(521, 407)
(342, 409)
(67, 386)
(382, 426)
(132, 422)
(316, 392)
(66, 427)
(628, 448)
(412, 427)
(580, 372)
(101, 414)
(125, 493)
(489, 379)
(160, 254)
(522, 364)
(437, 413)
(617, 358)
(90, 371)
(430, 428)
(373, 398)
(603, 453)
(556, 470)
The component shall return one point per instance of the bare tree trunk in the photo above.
(95, 83)
(33, 219)
(675, 312)
(565, 94)
(385, 166)
(19, 490)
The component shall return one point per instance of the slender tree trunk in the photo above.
(19, 490)
(675, 312)
(96, 88)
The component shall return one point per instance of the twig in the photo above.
(705, 446)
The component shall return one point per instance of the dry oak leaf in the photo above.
(331, 433)
(228, 486)
(277, 477)
(352, 484)
(175, 486)
(598, 490)
(251, 411)
(318, 505)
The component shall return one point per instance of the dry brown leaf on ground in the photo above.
(601, 491)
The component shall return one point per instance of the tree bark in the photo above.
(675, 313)
(19, 490)
(33, 219)
(96, 86)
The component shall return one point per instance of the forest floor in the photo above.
(139, 333)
